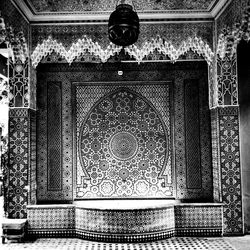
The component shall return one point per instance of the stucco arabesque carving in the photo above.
(4, 90)
(15, 42)
(86, 45)
(230, 37)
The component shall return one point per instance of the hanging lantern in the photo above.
(123, 27)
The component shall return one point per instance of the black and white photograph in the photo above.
(125, 124)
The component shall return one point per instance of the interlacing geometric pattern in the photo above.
(225, 120)
(227, 83)
(86, 45)
(123, 145)
(19, 84)
(230, 168)
(18, 159)
(201, 220)
(52, 218)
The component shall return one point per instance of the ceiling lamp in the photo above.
(123, 27)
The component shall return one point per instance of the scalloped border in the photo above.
(86, 45)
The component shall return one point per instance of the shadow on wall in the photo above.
(243, 61)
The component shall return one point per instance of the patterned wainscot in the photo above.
(125, 220)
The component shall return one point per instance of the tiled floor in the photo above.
(240, 242)
(186, 243)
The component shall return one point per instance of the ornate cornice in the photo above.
(86, 46)
(15, 43)
(230, 37)
(148, 15)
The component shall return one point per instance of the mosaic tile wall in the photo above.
(215, 155)
(225, 129)
(22, 125)
(181, 161)
(230, 169)
(54, 143)
(124, 140)
(192, 135)
(99, 73)
(19, 158)
(49, 221)
(59, 186)
(198, 220)
(125, 225)
(226, 166)
(32, 163)
(21, 181)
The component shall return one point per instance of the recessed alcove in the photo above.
(164, 126)
(130, 154)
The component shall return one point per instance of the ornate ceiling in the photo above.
(109, 5)
(99, 10)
